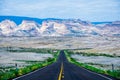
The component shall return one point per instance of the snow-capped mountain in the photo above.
(53, 28)
(111, 29)
(57, 27)
(7, 27)
(27, 28)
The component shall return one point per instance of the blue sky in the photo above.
(91, 10)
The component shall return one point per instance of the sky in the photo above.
(90, 10)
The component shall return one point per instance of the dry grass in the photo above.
(106, 45)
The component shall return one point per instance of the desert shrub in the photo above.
(6, 76)
(115, 73)
(18, 72)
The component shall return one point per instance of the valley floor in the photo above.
(93, 44)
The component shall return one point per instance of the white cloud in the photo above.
(85, 9)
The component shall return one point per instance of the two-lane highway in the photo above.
(63, 70)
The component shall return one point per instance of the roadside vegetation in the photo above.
(115, 73)
(12, 73)
(36, 50)
(93, 54)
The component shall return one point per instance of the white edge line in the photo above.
(98, 74)
(30, 72)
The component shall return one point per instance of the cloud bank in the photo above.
(93, 10)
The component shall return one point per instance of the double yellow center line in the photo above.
(61, 71)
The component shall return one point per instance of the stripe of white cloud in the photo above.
(61, 8)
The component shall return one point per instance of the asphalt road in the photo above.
(63, 70)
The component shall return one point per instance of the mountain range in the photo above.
(25, 26)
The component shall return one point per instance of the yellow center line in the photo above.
(61, 71)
